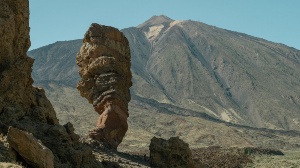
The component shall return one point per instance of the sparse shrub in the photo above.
(221, 157)
(262, 151)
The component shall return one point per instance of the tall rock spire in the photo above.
(104, 66)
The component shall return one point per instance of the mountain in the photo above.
(56, 62)
(228, 75)
(189, 78)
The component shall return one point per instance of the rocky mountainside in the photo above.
(228, 75)
(189, 78)
(148, 118)
(56, 62)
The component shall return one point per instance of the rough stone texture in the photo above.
(30, 148)
(24, 106)
(17, 96)
(170, 153)
(104, 66)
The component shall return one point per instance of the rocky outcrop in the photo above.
(30, 148)
(170, 153)
(104, 66)
(25, 107)
(17, 96)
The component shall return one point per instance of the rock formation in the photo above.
(104, 66)
(170, 153)
(38, 155)
(25, 107)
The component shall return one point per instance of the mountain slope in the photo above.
(228, 76)
(56, 62)
(150, 118)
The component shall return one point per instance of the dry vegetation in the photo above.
(290, 159)
(219, 157)
(212, 157)
(7, 157)
(147, 120)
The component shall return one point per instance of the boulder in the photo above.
(32, 150)
(104, 68)
(170, 153)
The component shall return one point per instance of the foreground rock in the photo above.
(30, 148)
(104, 66)
(170, 153)
(25, 107)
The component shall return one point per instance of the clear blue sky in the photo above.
(60, 20)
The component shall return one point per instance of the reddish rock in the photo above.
(104, 66)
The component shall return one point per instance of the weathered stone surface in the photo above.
(17, 96)
(30, 148)
(104, 66)
(25, 107)
(170, 153)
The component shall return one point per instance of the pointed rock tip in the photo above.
(155, 20)
(98, 30)
(161, 17)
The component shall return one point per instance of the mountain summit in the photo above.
(188, 70)
(155, 20)
(228, 75)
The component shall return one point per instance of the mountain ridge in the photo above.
(224, 75)
(201, 51)
(213, 67)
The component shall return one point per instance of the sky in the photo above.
(61, 20)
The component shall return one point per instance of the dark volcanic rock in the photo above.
(170, 153)
(104, 66)
(24, 106)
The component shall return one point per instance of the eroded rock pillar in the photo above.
(104, 66)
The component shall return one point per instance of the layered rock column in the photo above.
(104, 66)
